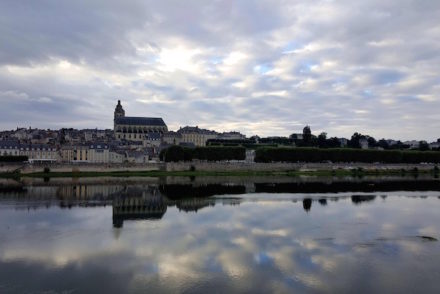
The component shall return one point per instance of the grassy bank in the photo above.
(335, 172)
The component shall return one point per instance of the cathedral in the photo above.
(145, 129)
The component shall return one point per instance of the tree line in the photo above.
(177, 153)
(303, 154)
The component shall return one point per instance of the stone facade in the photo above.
(93, 153)
(172, 138)
(196, 136)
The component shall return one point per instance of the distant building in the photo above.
(9, 148)
(144, 156)
(343, 142)
(231, 136)
(363, 143)
(391, 142)
(136, 128)
(91, 153)
(196, 135)
(153, 139)
(172, 138)
(88, 136)
(296, 136)
(40, 153)
(434, 145)
(413, 144)
(255, 138)
(75, 153)
(21, 134)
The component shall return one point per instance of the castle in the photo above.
(145, 129)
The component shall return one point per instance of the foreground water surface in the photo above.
(224, 235)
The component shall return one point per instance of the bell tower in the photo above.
(119, 111)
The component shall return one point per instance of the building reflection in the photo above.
(151, 203)
(133, 207)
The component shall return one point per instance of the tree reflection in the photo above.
(358, 199)
(307, 204)
(323, 201)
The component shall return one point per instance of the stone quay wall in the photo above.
(83, 167)
(251, 166)
(206, 166)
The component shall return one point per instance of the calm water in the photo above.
(220, 235)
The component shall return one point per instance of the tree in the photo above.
(399, 145)
(333, 143)
(174, 153)
(354, 141)
(307, 135)
(322, 140)
(383, 144)
(307, 204)
(423, 146)
(371, 142)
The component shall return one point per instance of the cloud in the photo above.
(225, 65)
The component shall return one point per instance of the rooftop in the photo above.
(195, 129)
(144, 121)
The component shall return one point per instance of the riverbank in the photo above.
(213, 169)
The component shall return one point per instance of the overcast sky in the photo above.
(258, 67)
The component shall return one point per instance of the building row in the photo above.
(85, 153)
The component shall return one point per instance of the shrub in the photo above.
(11, 158)
(162, 154)
(174, 154)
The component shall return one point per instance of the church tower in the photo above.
(119, 111)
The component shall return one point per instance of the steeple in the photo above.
(119, 111)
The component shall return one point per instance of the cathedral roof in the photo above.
(140, 121)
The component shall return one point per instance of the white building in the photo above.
(40, 153)
(196, 136)
(413, 144)
(9, 148)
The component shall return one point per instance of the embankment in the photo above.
(211, 167)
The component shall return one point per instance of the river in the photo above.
(221, 235)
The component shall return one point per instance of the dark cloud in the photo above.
(339, 66)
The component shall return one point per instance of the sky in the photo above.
(258, 67)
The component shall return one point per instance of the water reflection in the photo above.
(323, 201)
(307, 204)
(183, 237)
(358, 199)
(135, 204)
(149, 201)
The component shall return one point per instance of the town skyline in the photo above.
(316, 133)
(179, 126)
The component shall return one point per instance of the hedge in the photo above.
(211, 153)
(11, 158)
(344, 155)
